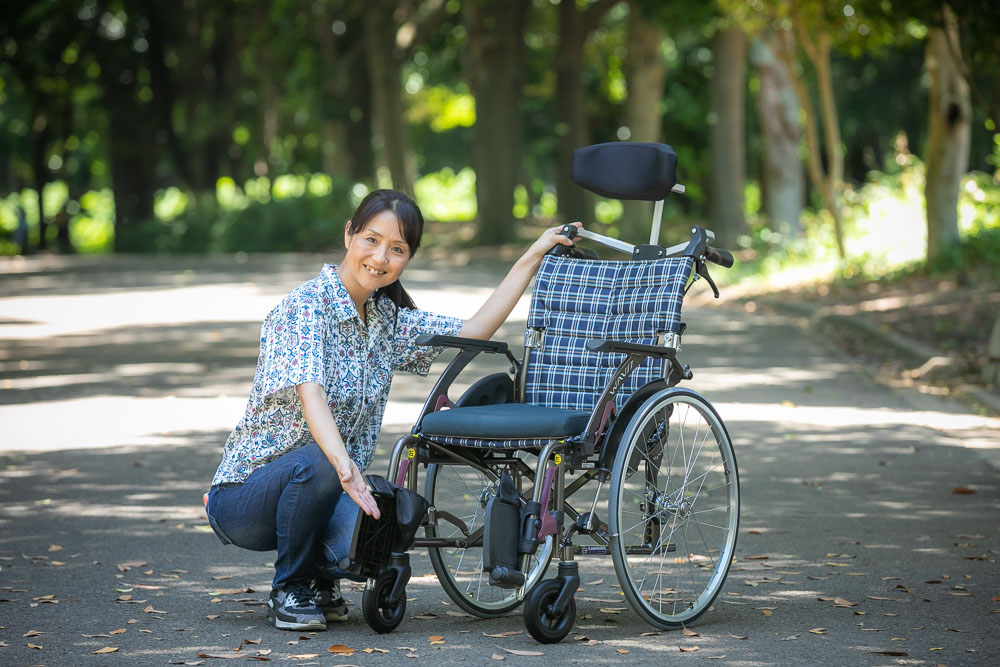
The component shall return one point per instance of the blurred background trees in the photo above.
(859, 132)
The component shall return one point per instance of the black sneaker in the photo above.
(293, 607)
(329, 600)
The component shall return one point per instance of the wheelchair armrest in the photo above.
(471, 344)
(601, 345)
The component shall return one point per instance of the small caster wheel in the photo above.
(545, 626)
(381, 615)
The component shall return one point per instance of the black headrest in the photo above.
(624, 170)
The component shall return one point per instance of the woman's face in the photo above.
(377, 255)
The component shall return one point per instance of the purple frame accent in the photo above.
(404, 467)
(441, 402)
(548, 526)
(609, 409)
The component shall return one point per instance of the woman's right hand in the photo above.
(354, 484)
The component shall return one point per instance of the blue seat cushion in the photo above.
(508, 421)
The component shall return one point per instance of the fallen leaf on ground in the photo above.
(374, 650)
(766, 612)
(35, 646)
(689, 649)
(963, 490)
(527, 654)
(340, 649)
(623, 651)
(818, 631)
(595, 583)
(509, 633)
(305, 656)
(125, 567)
(690, 633)
(898, 653)
(429, 616)
(116, 632)
(106, 649)
(33, 633)
(55, 547)
(497, 656)
(761, 557)
(150, 610)
(737, 636)
(841, 602)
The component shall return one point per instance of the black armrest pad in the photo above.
(601, 345)
(489, 346)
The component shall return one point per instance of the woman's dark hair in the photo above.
(411, 225)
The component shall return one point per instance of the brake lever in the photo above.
(703, 272)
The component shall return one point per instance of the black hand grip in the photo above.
(559, 250)
(723, 258)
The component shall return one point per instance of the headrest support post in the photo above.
(654, 234)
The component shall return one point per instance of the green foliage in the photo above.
(292, 220)
(885, 233)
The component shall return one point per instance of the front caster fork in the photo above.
(549, 609)
(569, 576)
(384, 599)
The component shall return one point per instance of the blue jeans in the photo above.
(294, 504)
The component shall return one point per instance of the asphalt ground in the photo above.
(120, 378)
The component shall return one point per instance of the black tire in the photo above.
(547, 629)
(674, 505)
(464, 491)
(380, 614)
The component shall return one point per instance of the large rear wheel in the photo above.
(674, 508)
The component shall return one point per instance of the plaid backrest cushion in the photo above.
(575, 300)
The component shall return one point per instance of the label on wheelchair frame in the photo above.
(588, 550)
(557, 459)
(411, 453)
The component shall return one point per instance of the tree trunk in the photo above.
(645, 74)
(335, 155)
(817, 48)
(571, 111)
(575, 203)
(991, 369)
(728, 151)
(40, 134)
(388, 129)
(495, 54)
(949, 136)
(778, 111)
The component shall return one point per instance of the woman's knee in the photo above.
(313, 469)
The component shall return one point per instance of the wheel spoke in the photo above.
(690, 494)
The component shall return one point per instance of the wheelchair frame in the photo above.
(605, 446)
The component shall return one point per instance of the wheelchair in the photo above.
(592, 401)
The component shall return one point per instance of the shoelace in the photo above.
(300, 598)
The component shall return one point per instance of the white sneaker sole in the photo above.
(311, 626)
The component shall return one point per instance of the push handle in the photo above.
(723, 258)
(559, 250)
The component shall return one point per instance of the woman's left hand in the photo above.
(549, 238)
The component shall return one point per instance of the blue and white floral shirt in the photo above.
(316, 335)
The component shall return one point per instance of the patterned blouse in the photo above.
(316, 335)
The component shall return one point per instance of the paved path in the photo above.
(120, 378)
